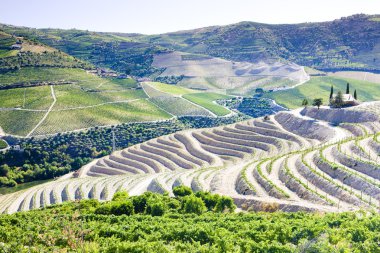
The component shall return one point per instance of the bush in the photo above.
(122, 207)
(156, 209)
(209, 199)
(225, 204)
(192, 204)
(103, 209)
(140, 203)
(120, 196)
(181, 191)
(88, 205)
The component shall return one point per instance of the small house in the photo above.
(348, 100)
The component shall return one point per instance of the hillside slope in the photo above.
(350, 42)
(290, 162)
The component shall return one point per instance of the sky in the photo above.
(160, 16)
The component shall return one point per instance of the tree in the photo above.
(348, 88)
(318, 102)
(355, 95)
(338, 101)
(331, 92)
(305, 102)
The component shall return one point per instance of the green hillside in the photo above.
(83, 100)
(102, 50)
(350, 42)
(319, 87)
(32, 53)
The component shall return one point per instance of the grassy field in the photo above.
(319, 87)
(206, 100)
(110, 114)
(3, 144)
(171, 89)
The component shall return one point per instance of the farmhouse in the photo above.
(348, 100)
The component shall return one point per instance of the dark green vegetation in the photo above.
(254, 107)
(189, 222)
(320, 87)
(57, 155)
(3, 144)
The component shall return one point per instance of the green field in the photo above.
(71, 96)
(319, 87)
(89, 101)
(158, 223)
(207, 99)
(3, 144)
(109, 114)
(35, 98)
(171, 89)
(19, 122)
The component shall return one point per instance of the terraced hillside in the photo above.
(289, 162)
(215, 74)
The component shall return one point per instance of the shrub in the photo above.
(225, 204)
(120, 196)
(122, 207)
(181, 191)
(209, 199)
(140, 203)
(156, 209)
(88, 205)
(192, 204)
(103, 209)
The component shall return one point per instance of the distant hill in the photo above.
(103, 50)
(347, 43)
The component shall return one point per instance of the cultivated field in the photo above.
(62, 99)
(358, 75)
(238, 78)
(289, 162)
(180, 101)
